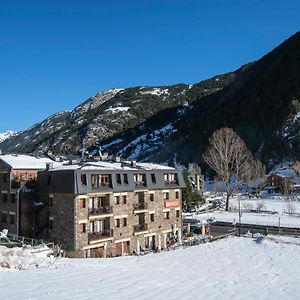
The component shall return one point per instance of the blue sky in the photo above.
(55, 54)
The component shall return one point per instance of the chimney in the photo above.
(0, 151)
(70, 162)
(133, 163)
(49, 166)
(117, 159)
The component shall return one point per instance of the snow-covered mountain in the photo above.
(110, 113)
(6, 135)
(260, 101)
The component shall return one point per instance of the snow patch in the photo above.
(118, 109)
(6, 135)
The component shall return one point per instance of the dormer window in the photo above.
(118, 178)
(153, 179)
(100, 180)
(170, 178)
(139, 179)
(83, 179)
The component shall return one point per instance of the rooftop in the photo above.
(112, 166)
(27, 162)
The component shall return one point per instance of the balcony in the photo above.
(107, 233)
(171, 203)
(104, 210)
(169, 182)
(140, 205)
(140, 227)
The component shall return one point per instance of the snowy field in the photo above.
(274, 209)
(235, 268)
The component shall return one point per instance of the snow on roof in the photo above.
(285, 170)
(21, 161)
(111, 165)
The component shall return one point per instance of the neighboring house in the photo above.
(18, 174)
(197, 182)
(196, 178)
(282, 180)
(112, 208)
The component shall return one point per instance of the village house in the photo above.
(18, 174)
(111, 208)
(283, 180)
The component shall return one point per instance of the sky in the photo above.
(56, 54)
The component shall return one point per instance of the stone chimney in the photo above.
(133, 163)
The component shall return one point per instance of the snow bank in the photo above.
(234, 268)
(24, 258)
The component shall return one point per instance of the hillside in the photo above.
(261, 101)
(108, 114)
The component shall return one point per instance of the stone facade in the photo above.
(110, 221)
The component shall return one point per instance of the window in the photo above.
(117, 200)
(152, 217)
(99, 180)
(82, 227)
(118, 178)
(12, 198)
(140, 196)
(166, 196)
(82, 202)
(124, 222)
(4, 217)
(139, 179)
(83, 179)
(166, 215)
(50, 201)
(4, 197)
(151, 197)
(117, 223)
(124, 199)
(153, 179)
(125, 178)
(11, 219)
(177, 213)
(177, 195)
(170, 178)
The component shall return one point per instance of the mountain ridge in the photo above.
(260, 100)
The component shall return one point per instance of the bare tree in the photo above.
(254, 175)
(227, 155)
(194, 168)
(296, 167)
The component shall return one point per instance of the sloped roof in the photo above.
(111, 165)
(27, 162)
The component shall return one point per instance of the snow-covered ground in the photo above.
(252, 218)
(235, 268)
(273, 210)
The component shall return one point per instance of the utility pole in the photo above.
(240, 216)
